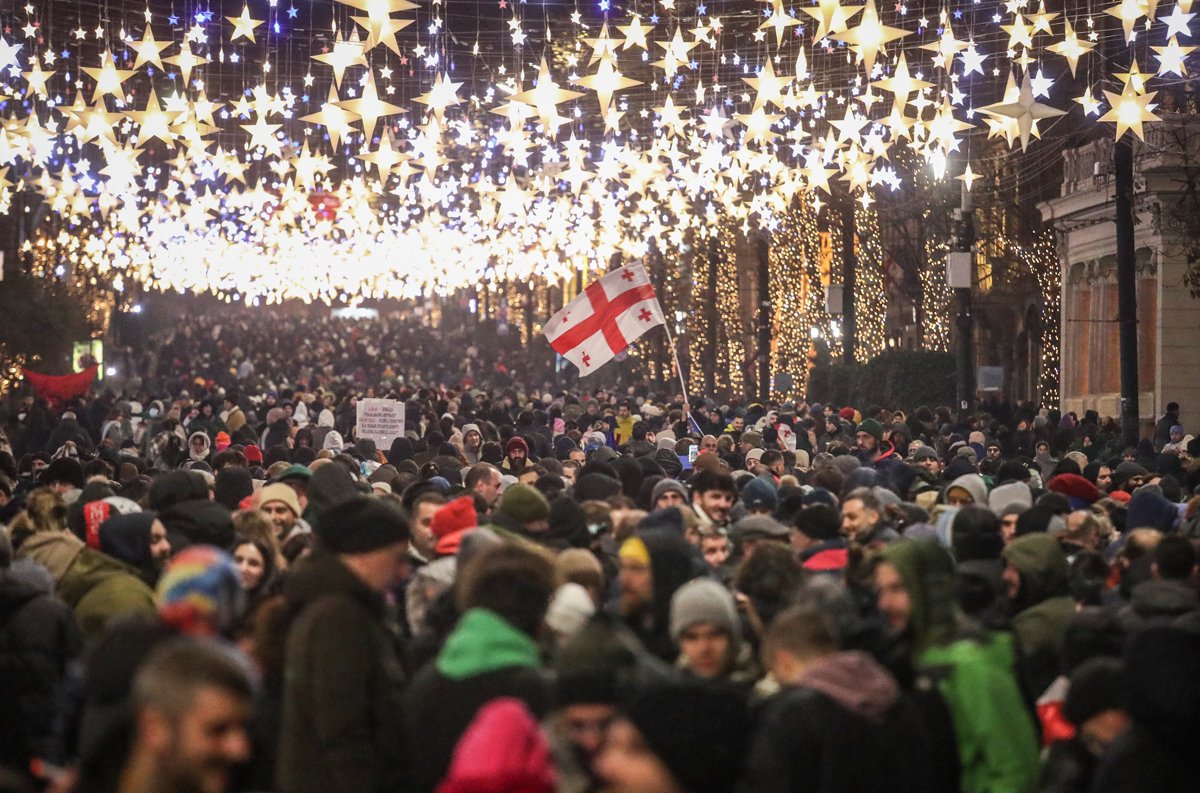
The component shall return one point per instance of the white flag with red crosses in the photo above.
(611, 313)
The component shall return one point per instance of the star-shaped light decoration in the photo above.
(635, 34)
(1129, 110)
(870, 36)
(946, 47)
(1170, 58)
(968, 177)
(243, 26)
(1178, 21)
(1041, 20)
(545, 97)
(831, 17)
(1129, 12)
(675, 53)
(385, 158)
(186, 61)
(1019, 33)
(972, 60)
(382, 30)
(768, 86)
(902, 84)
(442, 95)
(1026, 111)
(36, 79)
(153, 122)
(263, 134)
(8, 57)
(149, 51)
(605, 82)
(779, 21)
(1071, 47)
(343, 55)
(370, 108)
(1091, 105)
(108, 78)
(603, 47)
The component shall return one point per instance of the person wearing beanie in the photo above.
(683, 736)
(817, 538)
(751, 439)
(450, 523)
(759, 497)
(1037, 581)
(667, 493)
(1093, 715)
(233, 486)
(966, 490)
(1008, 494)
(704, 625)
(522, 511)
(253, 455)
(873, 451)
(1079, 491)
(570, 609)
(279, 504)
(340, 728)
(753, 531)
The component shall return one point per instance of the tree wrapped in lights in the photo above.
(714, 323)
(870, 292)
(1042, 260)
(936, 295)
(793, 287)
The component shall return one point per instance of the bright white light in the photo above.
(136, 308)
(111, 371)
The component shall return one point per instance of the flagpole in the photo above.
(675, 354)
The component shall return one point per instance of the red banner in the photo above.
(56, 388)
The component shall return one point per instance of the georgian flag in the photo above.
(605, 318)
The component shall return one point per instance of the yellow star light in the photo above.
(243, 26)
(1026, 110)
(946, 47)
(603, 47)
(343, 55)
(335, 120)
(779, 20)
(1071, 47)
(370, 108)
(1091, 105)
(605, 82)
(635, 33)
(36, 79)
(1019, 33)
(263, 134)
(149, 51)
(758, 125)
(1041, 20)
(902, 83)
(675, 53)
(870, 36)
(831, 17)
(108, 78)
(1129, 12)
(968, 177)
(768, 87)
(545, 98)
(442, 95)
(1129, 110)
(153, 122)
(382, 30)
(185, 61)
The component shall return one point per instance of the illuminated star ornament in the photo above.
(243, 26)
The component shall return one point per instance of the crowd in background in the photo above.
(209, 582)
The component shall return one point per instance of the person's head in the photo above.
(1083, 529)
(191, 699)
(926, 457)
(861, 514)
(370, 536)
(915, 588)
(280, 505)
(525, 507)
(1174, 558)
(636, 579)
(676, 736)
(484, 479)
(1096, 703)
(713, 492)
(1177, 433)
(869, 435)
(814, 525)
(420, 521)
(668, 493)
(515, 582)
(1042, 449)
(623, 410)
(994, 452)
(714, 545)
(255, 561)
(704, 625)
(795, 639)
(1035, 569)
(517, 448)
(708, 443)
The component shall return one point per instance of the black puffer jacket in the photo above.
(38, 641)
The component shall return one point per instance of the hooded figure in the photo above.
(1039, 597)
(659, 548)
(997, 744)
(199, 446)
(131, 539)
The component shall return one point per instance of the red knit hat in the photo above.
(222, 441)
(503, 751)
(1121, 496)
(1075, 487)
(253, 454)
(450, 522)
(847, 414)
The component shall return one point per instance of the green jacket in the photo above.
(997, 745)
(97, 587)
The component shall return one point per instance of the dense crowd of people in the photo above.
(210, 582)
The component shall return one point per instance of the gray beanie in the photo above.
(665, 484)
(702, 600)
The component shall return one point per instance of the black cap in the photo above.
(362, 524)
(820, 522)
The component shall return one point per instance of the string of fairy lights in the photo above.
(266, 150)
